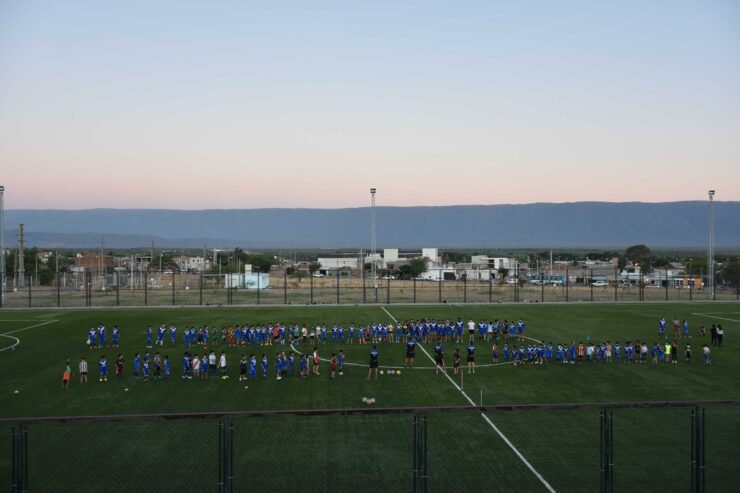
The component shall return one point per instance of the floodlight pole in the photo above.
(2, 246)
(710, 257)
(373, 265)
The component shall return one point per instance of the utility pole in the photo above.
(21, 261)
(710, 259)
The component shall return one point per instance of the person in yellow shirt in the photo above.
(667, 352)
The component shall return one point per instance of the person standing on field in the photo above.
(83, 370)
(373, 363)
(66, 376)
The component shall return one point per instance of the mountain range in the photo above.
(538, 225)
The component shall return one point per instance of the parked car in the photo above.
(599, 284)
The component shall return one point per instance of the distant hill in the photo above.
(565, 225)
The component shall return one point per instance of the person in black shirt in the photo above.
(410, 351)
(471, 358)
(439, 357)
(373, 363)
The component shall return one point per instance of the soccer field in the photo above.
(532, 450)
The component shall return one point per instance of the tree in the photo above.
(417, 266)
(313, 267)
(639, 254)
(259, 262)
(730, 272)
(299, 275)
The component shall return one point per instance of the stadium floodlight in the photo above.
(2, 246)
(373, 266)
(710, 256)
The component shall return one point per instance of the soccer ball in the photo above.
(381, 372)
(125, 390)
(365, 400)
(16, 391)
(371, 401)
(398, 372)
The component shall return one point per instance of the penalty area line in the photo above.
(18, 341)
(715, 316)
(486, 418)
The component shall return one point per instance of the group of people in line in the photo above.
(503, 335)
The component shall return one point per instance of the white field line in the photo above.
(715, 316)
(18, 341)
(487, 419)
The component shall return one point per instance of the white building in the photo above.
(390, 255)
(494, 262)
(432, 254)
(334, 263)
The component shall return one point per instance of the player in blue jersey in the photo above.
(661, 327)
(101, 336)
(137, 365)
(303, 365)
(252, 367)
(264, 365)
(91, 336)
(166, 367)
(115, 336)
(685, 328)
(340, 362)
(103, 369)
(146, 370)
(148, 337)
(471, 358)
(373, 363)
(520, 329)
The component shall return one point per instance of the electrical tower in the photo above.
(710, 256)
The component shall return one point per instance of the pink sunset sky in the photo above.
(243, 106)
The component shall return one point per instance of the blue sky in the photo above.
(308, 104)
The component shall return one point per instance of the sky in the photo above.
(249, 104)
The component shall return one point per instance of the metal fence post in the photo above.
(19, 480)
(311, 277)
(591, 282)
(59, 290)
(118, 295)
(337, 286)
(173, 286)
(285, 287)
(607, 451)
(388, 290)
(29, 291)
(441, 278)
(697, 450)
(146, 290)
(567, 283)
(490, 286)
(615, 285)
(465, 288)
(414, 289)
(200, 289)
(542, 290)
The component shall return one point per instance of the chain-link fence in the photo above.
(161, 289)
(587, 447)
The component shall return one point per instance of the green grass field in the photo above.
(371, 452)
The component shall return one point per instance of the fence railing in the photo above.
(158, 289)
(646, 446)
